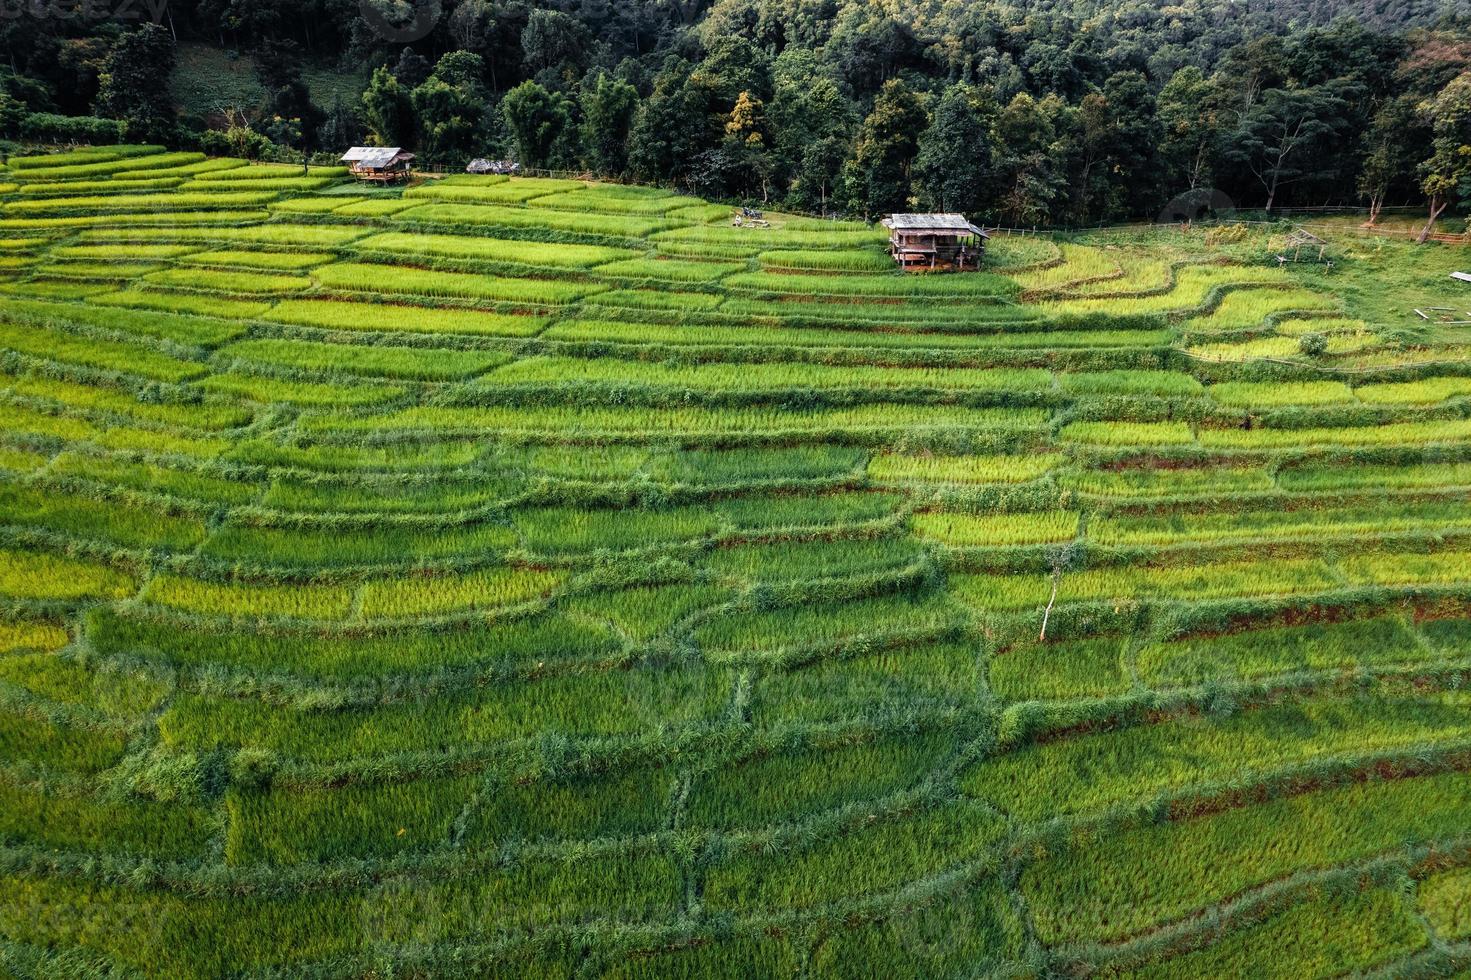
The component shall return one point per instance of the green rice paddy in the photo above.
(537, 578)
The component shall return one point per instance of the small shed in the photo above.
(935, 241)
(379, 164)
(1301, 238)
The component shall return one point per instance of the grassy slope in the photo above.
(536, 580)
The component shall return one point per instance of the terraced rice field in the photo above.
(533, 578)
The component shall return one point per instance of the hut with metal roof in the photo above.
(379, 164)
(932, 242)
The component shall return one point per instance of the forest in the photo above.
(1064, 113)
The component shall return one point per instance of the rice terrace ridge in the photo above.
(735, 490)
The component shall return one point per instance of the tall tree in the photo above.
(388, 111)
(134, 83)
(1446, 175)
(278, 69)
(878, 176)
(1392, 142)
(952, 170)
(450, 106)
(1189, 114)
(540, 123)
(555, 44)
(1028, 158)
(672, 127)
(1277, 139)
(608, 106)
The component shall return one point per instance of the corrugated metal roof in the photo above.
(371, 156)
(932, 222)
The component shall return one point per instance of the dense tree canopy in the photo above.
(1052, 112)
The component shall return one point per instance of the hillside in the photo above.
(533, 578)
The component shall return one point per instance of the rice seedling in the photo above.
(498, 192)
(491, 216)
(1266, 525)
(274, 261)
(825, 626)
(429, 596)
(1145, 482)
(1263, 653)
(360, 495)
(878, 855)
(654, 299)
(1091, 668)
(993, 936)
(1412, 476)
(474, 248)
(150, 203)
(172, 302)
(1357, 932)
(1244, 308)
(825, 260)
(1095, 772)
(326, 314)
(291, 547)
(1271, 394)
(1101, 891)
(80, 821)
(1442, 899)
(121, 252)
(1165, 383)
(612, 331)
(997, 530)
(668, 270)
(34, 575)
(215, 183)
(118, 271)
(1278, 348)
(88, 166)
(1426, 391)
(1128, 433)
(430, 455)
(1116, 584)
(1079, 263)
(1193, 286)
(31, 739)
(755, 377)
(406, 652)
(31, 637)
(45, 162)
(941, 674)
(154, 478)
(406, 363)
(889, 467)
(74, 188)
(859, 284)
(773, 238)
(233, 231)
(693, 421)
(79, 517)
(229, 281)
(807, 561)
(601, 201)
(770, 788)
(271, 391)
(724, 467)
(418, 282)
(111, 355)
(237, 599)
(1390, 434)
